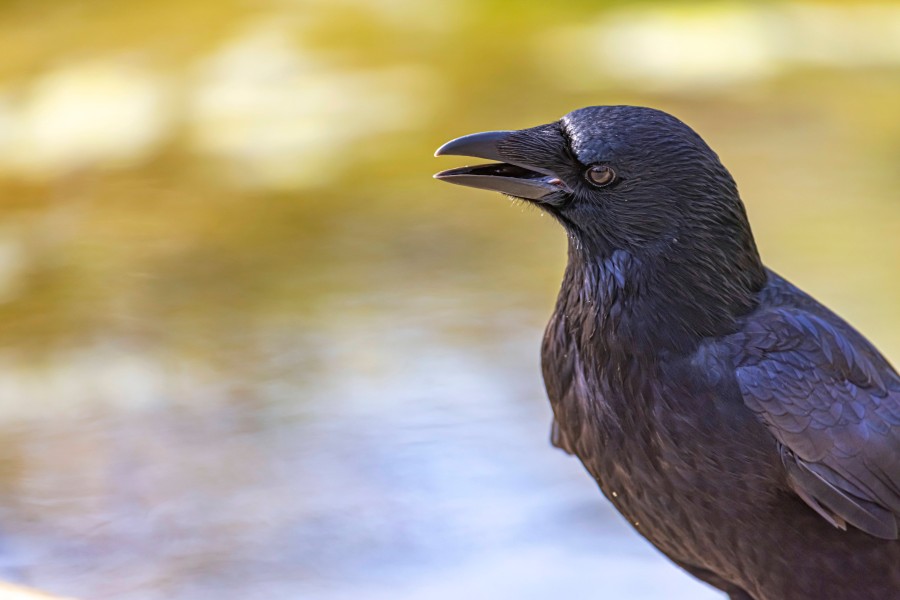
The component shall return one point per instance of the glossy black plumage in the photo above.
(747, 431)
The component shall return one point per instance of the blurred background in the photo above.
(250, 349)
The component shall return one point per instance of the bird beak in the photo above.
(508, 176)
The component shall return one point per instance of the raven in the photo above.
(743, 428)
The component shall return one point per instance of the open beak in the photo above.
(507, 176)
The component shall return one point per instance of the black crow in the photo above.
(747, 431)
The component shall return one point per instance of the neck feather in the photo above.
(668, 300)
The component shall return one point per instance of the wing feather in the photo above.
(833, 403)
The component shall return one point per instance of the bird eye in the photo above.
(600, 175)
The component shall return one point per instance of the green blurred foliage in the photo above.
(172, 251)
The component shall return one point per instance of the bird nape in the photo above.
(747, 431)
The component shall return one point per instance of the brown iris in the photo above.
(600, 175)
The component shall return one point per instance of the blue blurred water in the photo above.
(372, 456)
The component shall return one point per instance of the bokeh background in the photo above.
(250, 349)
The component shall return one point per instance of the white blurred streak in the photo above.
(277, 115)
(285, 119)
(71, 384)
(9, 591)
(704, 48)
(102, 113)
(697, 47)
(853, 35)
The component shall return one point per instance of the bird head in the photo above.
(616, 177)
(634, 182)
